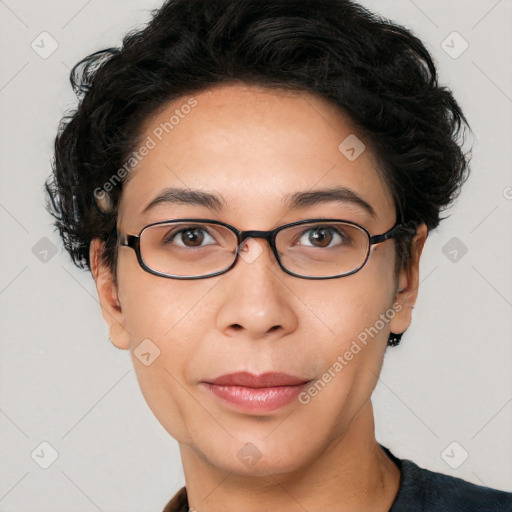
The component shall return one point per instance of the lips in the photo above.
(264, 380)
(256, 393)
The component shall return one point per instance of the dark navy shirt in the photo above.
(420, 490)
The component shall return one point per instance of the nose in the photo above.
(254, 301)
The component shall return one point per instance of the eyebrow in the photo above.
(189, 197)
(338, 194)
(293, 201)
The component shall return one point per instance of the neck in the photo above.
(351, 474)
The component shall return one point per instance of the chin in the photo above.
(258, 458)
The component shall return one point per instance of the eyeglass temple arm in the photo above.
(127, 240)
(377, 239)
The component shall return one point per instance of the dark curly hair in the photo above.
(375, 71)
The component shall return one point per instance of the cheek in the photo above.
(343, 308)
(356, 311)
(161, 317)
(161, 383)
(157, 315)
(154, 307)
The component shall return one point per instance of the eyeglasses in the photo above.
(200, 248)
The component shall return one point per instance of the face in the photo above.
(252, 147)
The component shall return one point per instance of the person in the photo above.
(251, 184)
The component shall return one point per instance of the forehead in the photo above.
(252, 146)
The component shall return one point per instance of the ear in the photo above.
(408, 283)
(108, 296)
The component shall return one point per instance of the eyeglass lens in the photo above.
(197, 249)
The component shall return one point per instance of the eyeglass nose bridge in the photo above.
(269, 236)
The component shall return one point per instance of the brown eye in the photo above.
(323, 236)
(189, 237)
(193, 237)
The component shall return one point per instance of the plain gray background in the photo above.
(445, 392)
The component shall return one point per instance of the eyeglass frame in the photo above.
(133, 241)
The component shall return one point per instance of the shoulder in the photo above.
(423, 490)
(178, 503)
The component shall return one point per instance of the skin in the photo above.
(254, 145)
